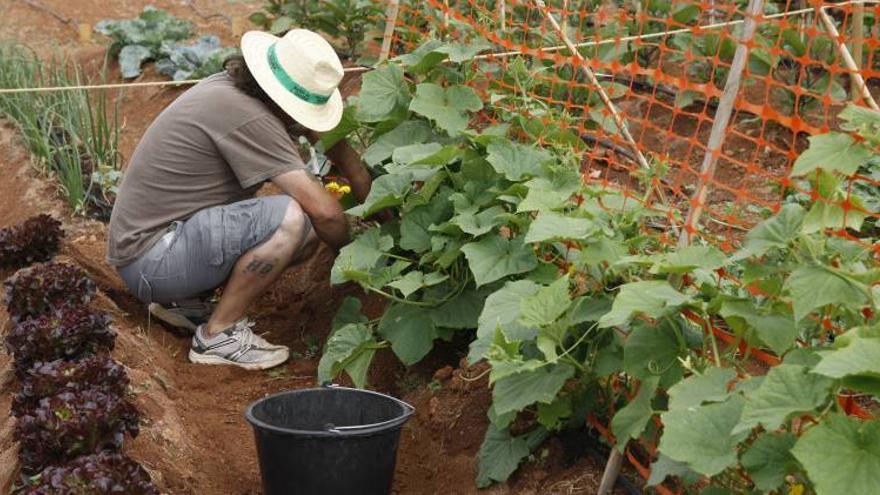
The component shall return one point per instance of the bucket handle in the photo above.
(408, 411)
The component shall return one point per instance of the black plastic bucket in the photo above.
(330, 440)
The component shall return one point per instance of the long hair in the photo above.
(237, 69)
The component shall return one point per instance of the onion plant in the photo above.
(72, 135)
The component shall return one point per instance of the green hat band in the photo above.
(290, 85)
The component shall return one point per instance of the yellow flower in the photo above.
(344, 190)
(332, 186)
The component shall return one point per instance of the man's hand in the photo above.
(349, 163)
(323, 209)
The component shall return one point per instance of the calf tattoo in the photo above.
(260, 266)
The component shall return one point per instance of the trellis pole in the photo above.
(858, 34)
(502, 13)
(847, 58)
(722, 119)
(606, 100)
(390, 23)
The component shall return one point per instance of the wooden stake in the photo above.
(390, 24)
(85, 32)
(858, 36)
(612, 471)
(722, 119)
(847, 58)
(502, 13)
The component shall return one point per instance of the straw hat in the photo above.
(300, 72)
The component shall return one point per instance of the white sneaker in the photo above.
(237, 346)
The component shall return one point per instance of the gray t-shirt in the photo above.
(213, 145)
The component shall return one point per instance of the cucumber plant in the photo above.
(583, 308)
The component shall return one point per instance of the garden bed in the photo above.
(194, 438)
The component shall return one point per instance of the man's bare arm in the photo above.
(322, 208)
(349, 163)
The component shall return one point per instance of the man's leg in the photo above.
(257, 269)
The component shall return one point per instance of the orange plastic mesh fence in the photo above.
(665, 63)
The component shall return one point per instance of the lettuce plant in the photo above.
(103, 473)
(68, 333)
(36, 239)
(70, 424)
(44, 379)
(40, 289)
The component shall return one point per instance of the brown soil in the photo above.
(194, 438)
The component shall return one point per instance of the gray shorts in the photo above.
(197, 255)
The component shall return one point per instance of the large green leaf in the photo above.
(414, 228)
(477, 224)
(775, 232)
(516, 161)
(416, 280)
(841, 455)
(545, 195)
(517, 391)
(711, 386)
(786, 391)
(546, 305)
(410, 330)
(689, 258)
(424, 58)
(702, 437)
(550, 225)
(502, 309)
(411, 154)
(858, 364)
(494, 257)
(360, 255)
(812, 287)
(430, 54)
(500, 453)
(602, 251)
(386, 191)
(631, 420)
(834, 152)
(860, 119)
(664, 467)
(461, 312)
(768, 460)
(349, 312)
(382, 90)
(447, 107)
(460, 52)
(777, 331)
(653, 298)
(409, 132)
(349, 349)
(346, 126)
(652, 350)
(830, 214)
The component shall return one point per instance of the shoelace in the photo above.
(246, 327)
